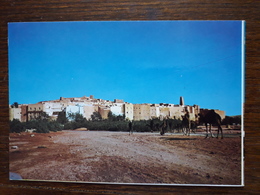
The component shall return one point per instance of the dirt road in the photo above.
(101, 156)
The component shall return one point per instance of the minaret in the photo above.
(181, 101)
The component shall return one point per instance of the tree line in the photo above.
(43, 123)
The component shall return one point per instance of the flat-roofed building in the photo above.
(193, 112)
(221, 113)
(103, 111)
(34, 111)
(164, 112)
(154, 111)
(88, 105)
(24, 113)
(53, 108)
(129, 111)
(117, 109)
(89, 109)
(15, 113)
(141, 112)
(176, 112)
(72, 110)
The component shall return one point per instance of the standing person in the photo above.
(130, 125)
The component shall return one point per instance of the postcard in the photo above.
(127, 102)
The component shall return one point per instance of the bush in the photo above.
(230, 120)
(41, 126)
(106, 125)
(62, 118)
(115, 123)
(16, 126)
(141, 126)
(45, 126)
(54, 126)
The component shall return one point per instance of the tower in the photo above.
(181, 101)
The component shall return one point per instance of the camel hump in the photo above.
(213, 117)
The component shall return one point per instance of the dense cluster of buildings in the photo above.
(86, 106)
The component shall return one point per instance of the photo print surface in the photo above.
(127, 102)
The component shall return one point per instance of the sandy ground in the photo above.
(101, 156)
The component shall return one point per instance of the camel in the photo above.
(186, 124)
(211, 118)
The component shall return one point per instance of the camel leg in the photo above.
(221, 131)
(194, 130)
(207, 133)
(210, 130)
(161, 131)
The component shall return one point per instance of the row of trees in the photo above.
(39, 125)
(230, 120)
(112, 123)
(115, 123)
(43, 124)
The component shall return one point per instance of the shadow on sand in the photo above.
(176, 138)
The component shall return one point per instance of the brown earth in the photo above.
(101, 156)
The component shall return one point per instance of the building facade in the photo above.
(141, 112)
(86, 106)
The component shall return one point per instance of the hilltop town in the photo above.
(86, 106)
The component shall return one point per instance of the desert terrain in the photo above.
(117, 157)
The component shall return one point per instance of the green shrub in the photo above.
(54, 126)
(41, 126)
(16, 126)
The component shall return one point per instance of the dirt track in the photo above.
(99, 156)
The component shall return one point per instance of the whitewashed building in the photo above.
(117, 109)
(74, 109)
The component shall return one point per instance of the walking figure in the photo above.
(130, 125)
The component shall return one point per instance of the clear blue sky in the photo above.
(139, 62)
